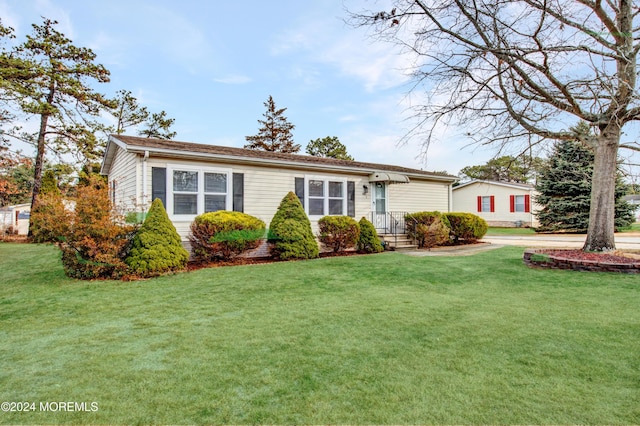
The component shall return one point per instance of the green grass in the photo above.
(510, 231)
(634, 227)
(370, 339)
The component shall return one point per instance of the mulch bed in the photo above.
(580, 260)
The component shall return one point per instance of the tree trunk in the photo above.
(37, 179)
(600, 235)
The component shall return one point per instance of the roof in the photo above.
(523, 186)
(170, 148)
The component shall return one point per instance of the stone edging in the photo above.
(538, 258)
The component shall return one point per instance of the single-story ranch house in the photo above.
(191, 179)
(505, 204)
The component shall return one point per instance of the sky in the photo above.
(211, 65)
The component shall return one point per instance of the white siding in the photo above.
(124, 171)
(419, 196)
(264, 188)
(465, 199)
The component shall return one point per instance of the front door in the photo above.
(379, 206)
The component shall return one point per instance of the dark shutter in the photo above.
(159, 184)
(512, 203)
(351, 198)
(479, 204)
(300, 189)
(238, 192)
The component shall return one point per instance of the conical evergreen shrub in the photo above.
(290, 231)
(156, 248)
(368, 242)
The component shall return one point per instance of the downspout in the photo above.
(145, 193)
(450, 195)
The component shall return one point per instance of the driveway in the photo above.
(627, 241)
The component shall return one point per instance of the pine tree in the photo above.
(275, 134)
(564, 190)
(329, 147)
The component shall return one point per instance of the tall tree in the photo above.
(520, 70)
(329, 147)
(158, 126)
(54, 85)
(506, 168)
(275, 133)
(564, 189)
(128, 112)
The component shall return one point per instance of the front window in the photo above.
(199, 191)
(486, 204)
(519, 203)
(326, 197)
(185, 192)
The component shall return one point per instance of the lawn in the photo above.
(510, 231)
(378, 339)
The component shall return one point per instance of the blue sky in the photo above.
(212, 64)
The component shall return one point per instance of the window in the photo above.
(185, 192)
(520, 203)
(326, 197)
(198, 191)
(486, 204)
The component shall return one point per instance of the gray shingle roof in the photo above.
(194, 149)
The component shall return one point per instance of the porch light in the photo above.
(365, 189)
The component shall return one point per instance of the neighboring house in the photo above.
(504, 204)
(191, 179)
(15, 219)
(634, 200)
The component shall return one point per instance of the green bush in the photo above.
(290, 232)
(368, 242)
(419, 227)
(224, 235)
(466, 226)
(338, 232)
(156, 247)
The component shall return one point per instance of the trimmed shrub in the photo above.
(433, 235)
(290, 231)
(224, 235)
(156, 248)
(338, 232)
(418, 227)
(95, 245)
(368, 242)
(466, 226)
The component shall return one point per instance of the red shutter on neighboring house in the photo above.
(479, 204)
(527, 203)
(493, 204)
(512, 203)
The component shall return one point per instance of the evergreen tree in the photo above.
(564, 190)
(275, 134)
(156, 247)
(290, 231)
(329, 147)
(128, 112)
(158, 126)
(53, 80)
(507, 168)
